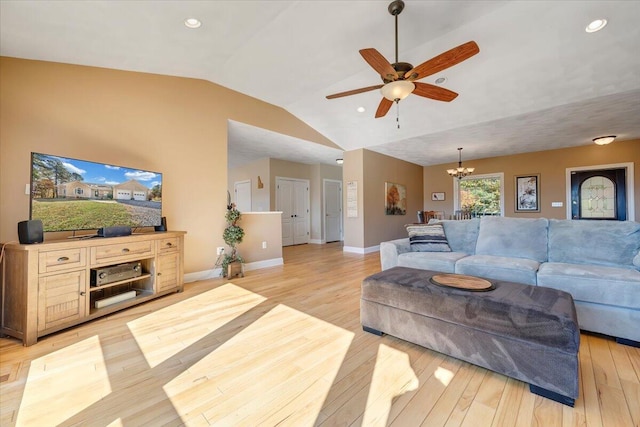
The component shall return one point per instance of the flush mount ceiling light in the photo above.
(192, 23)
(596, 25)
(460, 172)
(339, 161)
(604, 140)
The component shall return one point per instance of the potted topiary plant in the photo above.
(232, 235)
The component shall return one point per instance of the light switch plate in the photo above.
(556, 204)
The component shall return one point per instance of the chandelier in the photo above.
(460, 172)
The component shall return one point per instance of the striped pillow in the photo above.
(428, 238)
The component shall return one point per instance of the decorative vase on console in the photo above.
(232, 235)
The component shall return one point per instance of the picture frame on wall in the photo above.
(437, 196)
(527, 189)
(395, 202)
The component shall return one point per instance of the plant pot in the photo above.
(235, 269)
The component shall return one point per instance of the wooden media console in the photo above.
(47, 287)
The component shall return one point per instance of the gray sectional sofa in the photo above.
(597, 262)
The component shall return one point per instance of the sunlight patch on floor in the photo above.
(164, 333)
(392, 376)
(62, 384)
(443, 375)
(286, 357)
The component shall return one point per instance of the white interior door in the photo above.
(292, 198)
(332, 210)
(284, 203)
(242, 190)
(300, 212)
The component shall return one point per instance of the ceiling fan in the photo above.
(400, 77)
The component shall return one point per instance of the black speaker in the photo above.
(30, 232)
(162, 226)
(114, 231)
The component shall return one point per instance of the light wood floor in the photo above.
(284, 346)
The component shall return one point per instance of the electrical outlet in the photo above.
(220, 250)
(264, 245)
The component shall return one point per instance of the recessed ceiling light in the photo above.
(360, 109)
(441, 80)
(192, 23)
(596, 25)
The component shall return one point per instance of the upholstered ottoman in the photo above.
(525, 332)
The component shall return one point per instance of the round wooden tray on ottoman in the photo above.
(461, 281)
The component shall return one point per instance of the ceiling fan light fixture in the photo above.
(339, 161)
(604, 140)
(397, 90)
(596, 25)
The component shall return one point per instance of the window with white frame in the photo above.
(480, 194)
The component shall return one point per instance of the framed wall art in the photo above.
(437, 196)
(527, 193)
(395, 199)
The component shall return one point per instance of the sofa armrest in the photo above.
(390, 250)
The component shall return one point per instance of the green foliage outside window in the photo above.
(480, 196)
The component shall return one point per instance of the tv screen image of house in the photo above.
(71, 194)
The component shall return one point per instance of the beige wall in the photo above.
(176, 126)
(261, 227)
(551, 165)
(353, 171)
(260, 201)
(372, 170)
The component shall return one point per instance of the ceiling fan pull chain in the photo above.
(398, 114)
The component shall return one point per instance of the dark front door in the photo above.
(599, 194)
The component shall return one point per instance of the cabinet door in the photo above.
(167, 276)
(61, 299)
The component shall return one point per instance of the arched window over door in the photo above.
(599, 194)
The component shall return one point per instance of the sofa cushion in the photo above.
(601, 242)
(427, 238)
(437, 261)
(519, 270)
(636, 261)
(513, 237)
(461, 235)
(593, 283)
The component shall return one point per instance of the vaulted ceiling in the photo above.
(539, 82)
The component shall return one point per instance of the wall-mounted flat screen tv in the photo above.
(71, 194)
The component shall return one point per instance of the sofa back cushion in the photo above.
(599, 242)
(461, 235)
(513, 237)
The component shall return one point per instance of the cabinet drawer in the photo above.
(170, 244)
(122, 252)
(65, 259)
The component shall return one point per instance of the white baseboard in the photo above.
(356, 250)
(202, 275)
(263, 264)
(216, 273)
(317, 241)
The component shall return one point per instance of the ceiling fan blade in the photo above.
(444, 60)
(434, 92)
(379, 63)
(354, 91)
(383, 108)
